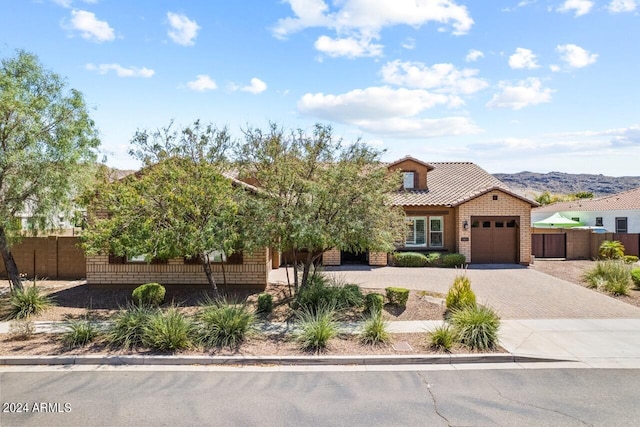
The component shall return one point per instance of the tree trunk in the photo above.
(207, 271)
(306, 269)
(224, 277)
(9, 263)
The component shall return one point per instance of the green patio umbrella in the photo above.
(556, 221)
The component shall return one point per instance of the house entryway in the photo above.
(494, 240)
(352, 258)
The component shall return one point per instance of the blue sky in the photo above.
(538, 85)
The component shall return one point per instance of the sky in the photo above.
(512, 85)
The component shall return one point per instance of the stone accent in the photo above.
(331, 257)
(378, 258)
(505, 205)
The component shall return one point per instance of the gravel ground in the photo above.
(572, 271)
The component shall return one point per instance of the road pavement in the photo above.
(394, 398)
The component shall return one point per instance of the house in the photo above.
(458, 207)
(247, 269)
(617, 213)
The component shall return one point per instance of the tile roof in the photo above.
(629, 199)
(453, 183)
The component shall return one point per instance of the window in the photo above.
(621, 224)
(416, 235)
(425, 231)
(136, 258)
(408, 180)
(598, 221)
(436, 232)
(575, 218)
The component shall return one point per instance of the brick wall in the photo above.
(253, 271)
(378, 258)
(505, 205)
(54, 257)
(331, 257)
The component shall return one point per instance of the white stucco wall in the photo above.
(589, 218)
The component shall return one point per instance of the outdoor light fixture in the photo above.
(465, 224)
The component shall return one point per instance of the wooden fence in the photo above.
(578, 244)
(53, 257)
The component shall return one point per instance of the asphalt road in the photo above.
(242, 398)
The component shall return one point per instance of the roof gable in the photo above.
(410, 159)
(452, 184)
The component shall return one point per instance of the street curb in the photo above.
(122, 360)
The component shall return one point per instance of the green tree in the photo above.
(318, 194)
(179, 204)
(47, 144)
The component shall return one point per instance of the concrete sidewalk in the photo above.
(597, 343)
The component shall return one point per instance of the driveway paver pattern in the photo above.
(515, 292)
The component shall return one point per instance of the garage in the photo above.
(494, 240)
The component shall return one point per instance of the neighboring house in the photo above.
(618, 213)
(457, 207)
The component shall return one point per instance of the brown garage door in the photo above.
(494, 240)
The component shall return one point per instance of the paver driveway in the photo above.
(515, 292)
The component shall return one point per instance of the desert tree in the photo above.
(48, 143)
(318, 194)
(180, 204)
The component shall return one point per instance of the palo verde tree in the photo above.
(47, 145)
(318, 194)
(178, 205)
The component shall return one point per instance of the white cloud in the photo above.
(362, 20)
(575, 56)
(202, 83)
(523, 58)
(523, 3)
(349, 47)
(474, 55)
(90, 27)
(409, 43)
(443, 78)
(619, 6)
(387, 111)
(555, 68)
(257, 86)
(183, 30)
(370, 103)
(121, 71)
(524, 93)
(579, 7)
(67, 3)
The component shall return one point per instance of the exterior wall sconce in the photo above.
(465, 224)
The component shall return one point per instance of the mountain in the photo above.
(531, 183)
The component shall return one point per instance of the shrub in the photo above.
(22, 329)
(453, 260)
(434, 259)
(316, 328)
(409, 259)
(374, 330)
(127, 327)
(149, 294)
(265, 303)
(373, 301)
(225, 324)
(460, 294)
(611, 276)
(322, 291)
(476, 327)
(80, 333)
(635, 277)
(442, 338)
(397, 296)
(611, 249)
(167, 330)
(630, 259)
(28, 302)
